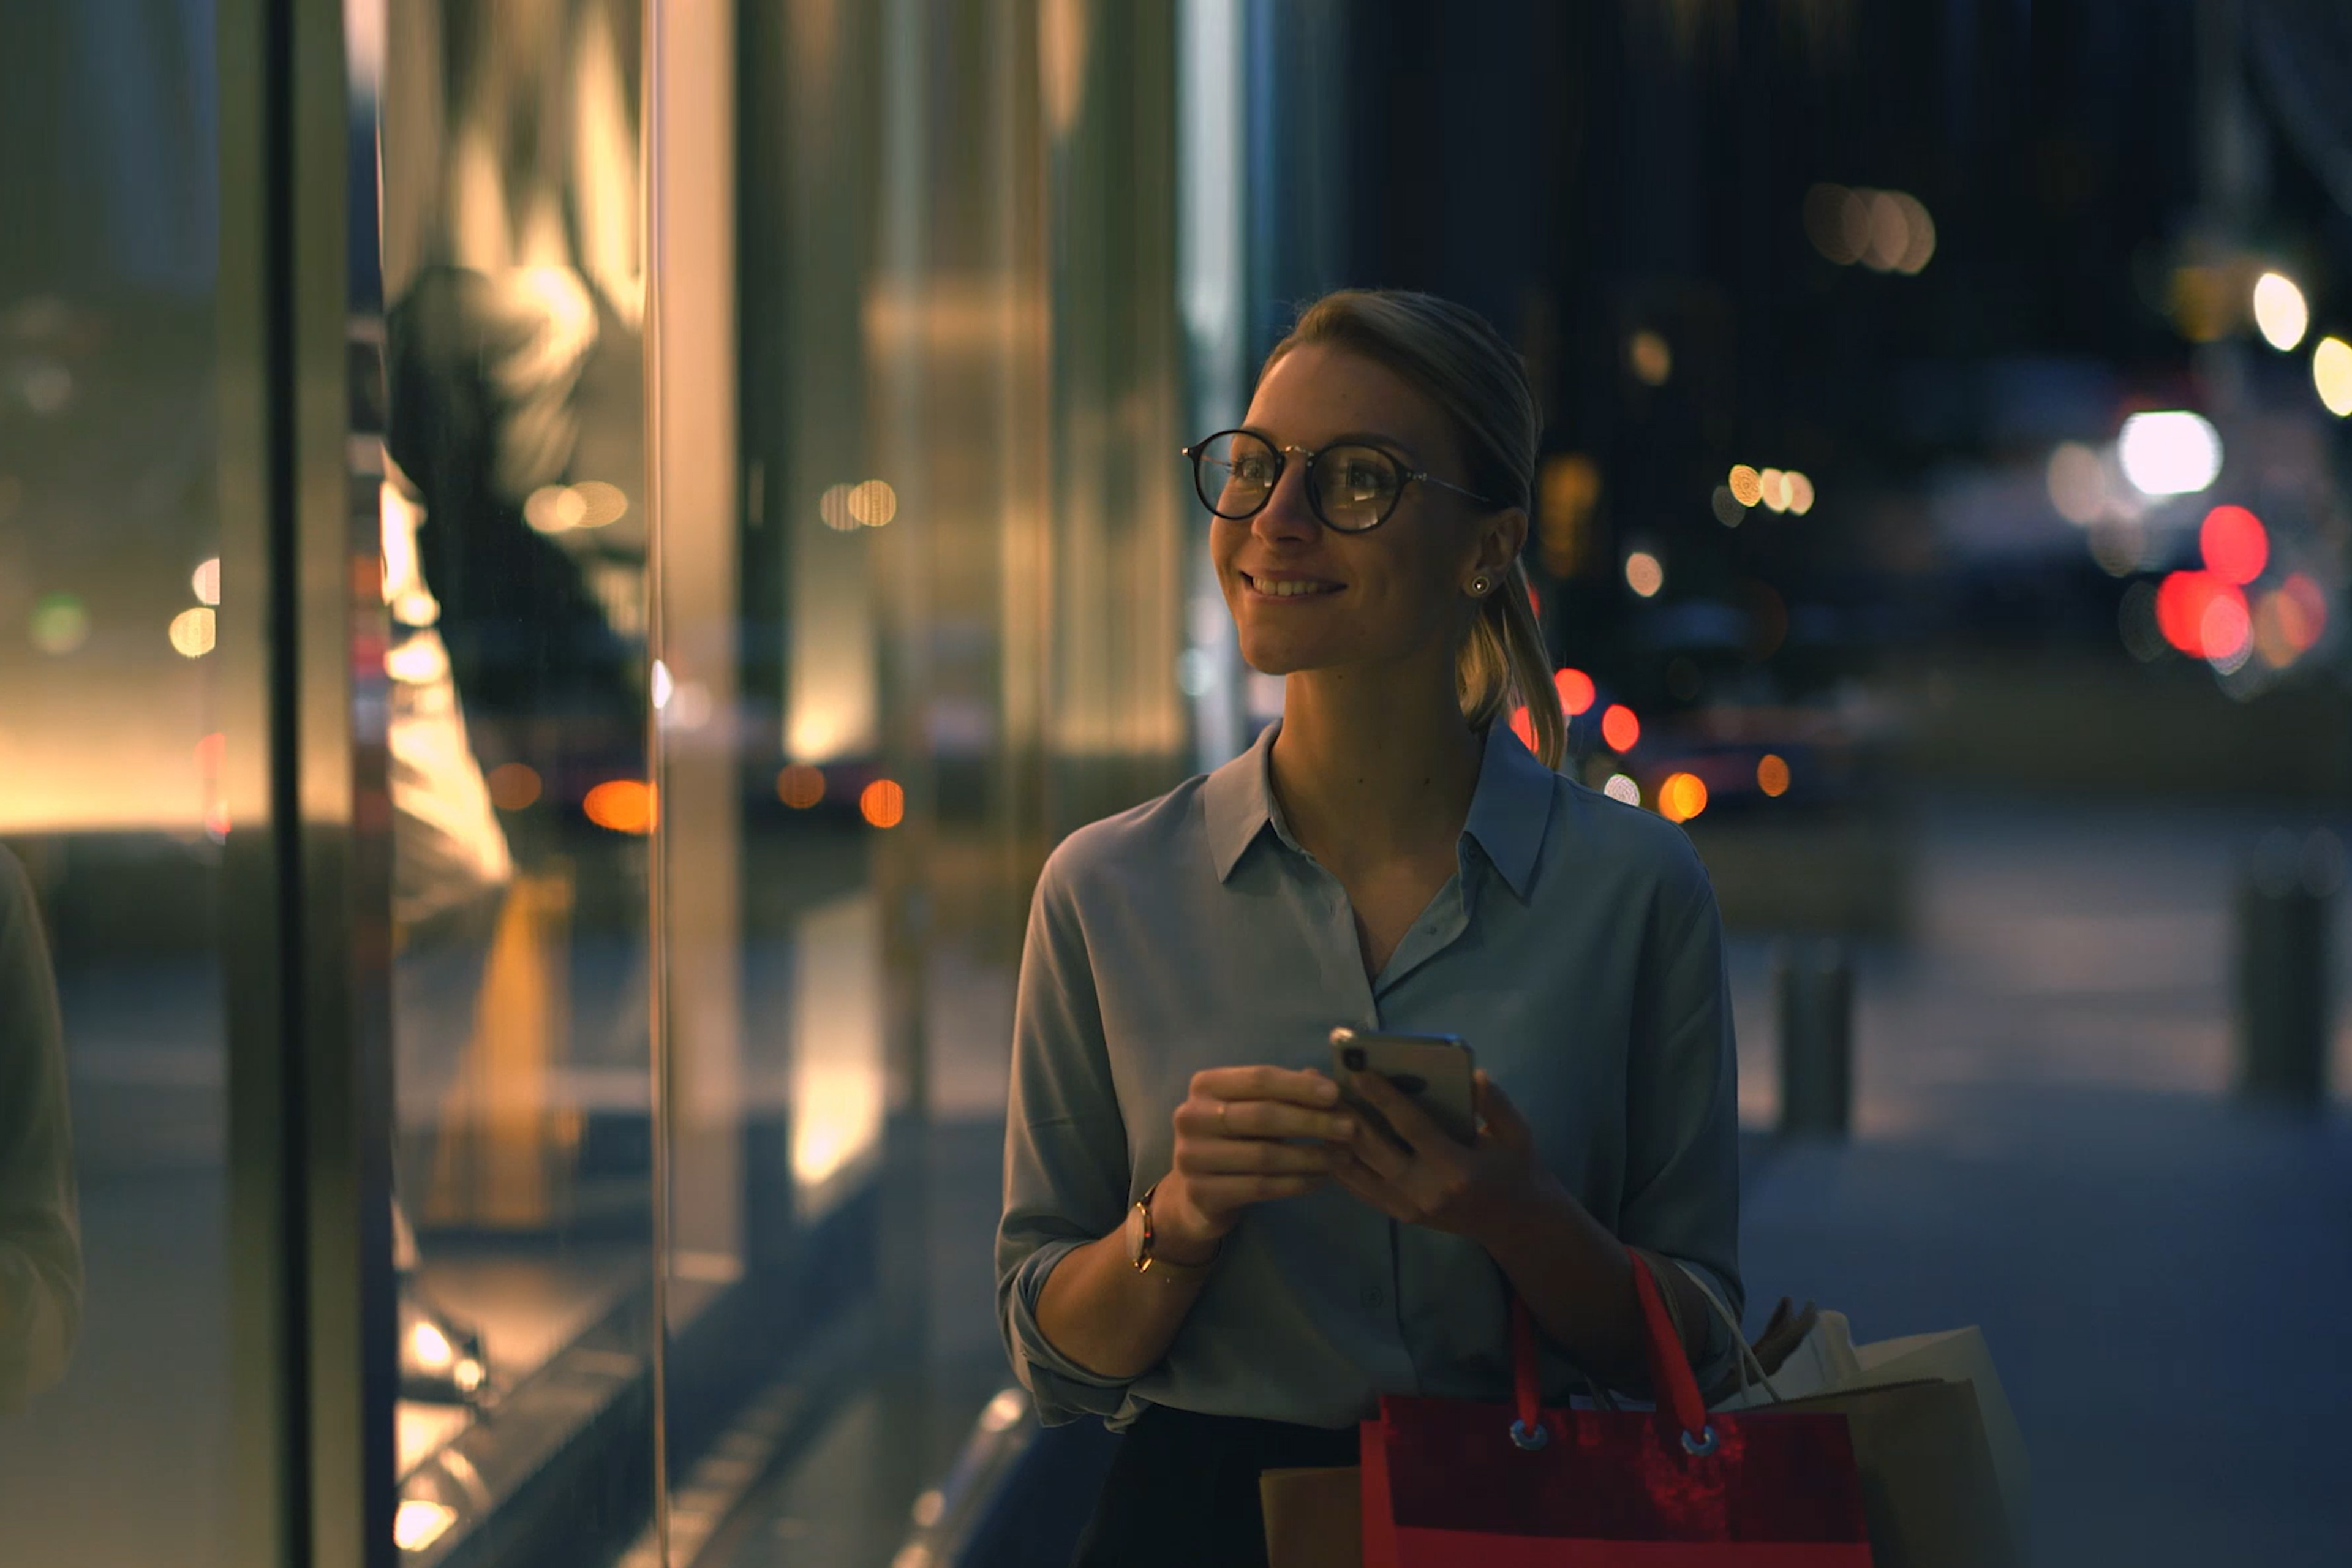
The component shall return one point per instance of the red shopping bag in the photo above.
(1452, 1481)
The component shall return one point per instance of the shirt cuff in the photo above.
(1063, 1389)
(1716, 1346)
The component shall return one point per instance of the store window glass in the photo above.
(115, 1382)
(516, 518)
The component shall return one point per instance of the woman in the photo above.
(1200, 1242)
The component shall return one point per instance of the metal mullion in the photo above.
(312, 1371)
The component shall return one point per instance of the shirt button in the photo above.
(1374, 1298)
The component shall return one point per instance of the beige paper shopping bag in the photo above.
(1958, 1355)
(1314, 1518)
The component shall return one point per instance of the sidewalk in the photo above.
(2045, 1146)
(2160, 1278)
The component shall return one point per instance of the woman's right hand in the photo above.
(1234, 1149)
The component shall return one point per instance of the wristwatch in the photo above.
(1139, 1240)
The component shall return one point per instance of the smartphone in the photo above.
(1434, 1069)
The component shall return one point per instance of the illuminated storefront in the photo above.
(578, 556)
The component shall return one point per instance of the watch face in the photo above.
(1135, 1235)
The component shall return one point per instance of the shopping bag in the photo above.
(1314, 1518)
(1518, 1486)
(1824, 1358)
(1930, 1427)
(1929, 1491)
(1960, 1355)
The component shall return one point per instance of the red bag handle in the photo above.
(1526, 1386)
(1670, 1372)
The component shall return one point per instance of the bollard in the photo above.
(2284, 905)
(1813, 983)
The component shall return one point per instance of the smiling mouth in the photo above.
(1288, 588)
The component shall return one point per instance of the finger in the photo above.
(1376, 1152)
(1279, 1119)
(1412, 1123)
(1203, 1117)
(1234, 1156)
(1500, 1114)
(1306, 1087)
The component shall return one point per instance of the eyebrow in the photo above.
(1352, 439)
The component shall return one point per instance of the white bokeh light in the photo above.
(2281, 313)
(2173, 453)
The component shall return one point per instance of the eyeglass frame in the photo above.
(1407, 475)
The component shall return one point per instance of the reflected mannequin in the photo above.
(41, 1231)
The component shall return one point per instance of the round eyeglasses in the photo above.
(1350, 487)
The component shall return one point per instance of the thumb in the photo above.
(1502, 1118)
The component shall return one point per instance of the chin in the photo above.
(1278, 655)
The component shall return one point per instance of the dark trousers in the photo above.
(1183, 1490)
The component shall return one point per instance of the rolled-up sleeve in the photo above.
(1065, 1162)
(1682, 1111)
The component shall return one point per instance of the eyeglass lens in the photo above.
(1351, 488)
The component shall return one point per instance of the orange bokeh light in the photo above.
(801, 785)
(1682, 797)
(624, 805)
(1523, 725)
(514, 785)
(883, 803)
(1576, 691)
(2234, 543)
(2288, 621)
(1772, 774)
(1619, 729)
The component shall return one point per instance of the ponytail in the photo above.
(1504, 666)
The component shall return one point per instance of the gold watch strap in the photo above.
(1147, 1260)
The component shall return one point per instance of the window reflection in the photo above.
(115, 1381)
(514, 544)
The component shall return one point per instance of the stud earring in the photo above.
(1478, 587)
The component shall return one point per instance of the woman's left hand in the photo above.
(1472, 1190)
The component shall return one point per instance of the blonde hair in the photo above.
(1453, 356)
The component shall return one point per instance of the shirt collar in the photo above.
(1238, 802)
(1511, 808)
(1508, 812)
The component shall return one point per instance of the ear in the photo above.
(1501, 536)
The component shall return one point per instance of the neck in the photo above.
(1368, 765)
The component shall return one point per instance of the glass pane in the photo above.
(515, 506)
(958, 601)
(115, 1397)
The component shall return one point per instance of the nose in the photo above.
(1288, 518)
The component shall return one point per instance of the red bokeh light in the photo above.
(1576, 692)
(2185, 614)
(1619, 729)
(2234, 543)
(1523, 725)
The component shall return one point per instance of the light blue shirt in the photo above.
(1576, 949)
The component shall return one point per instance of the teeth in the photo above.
(1291, 590)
